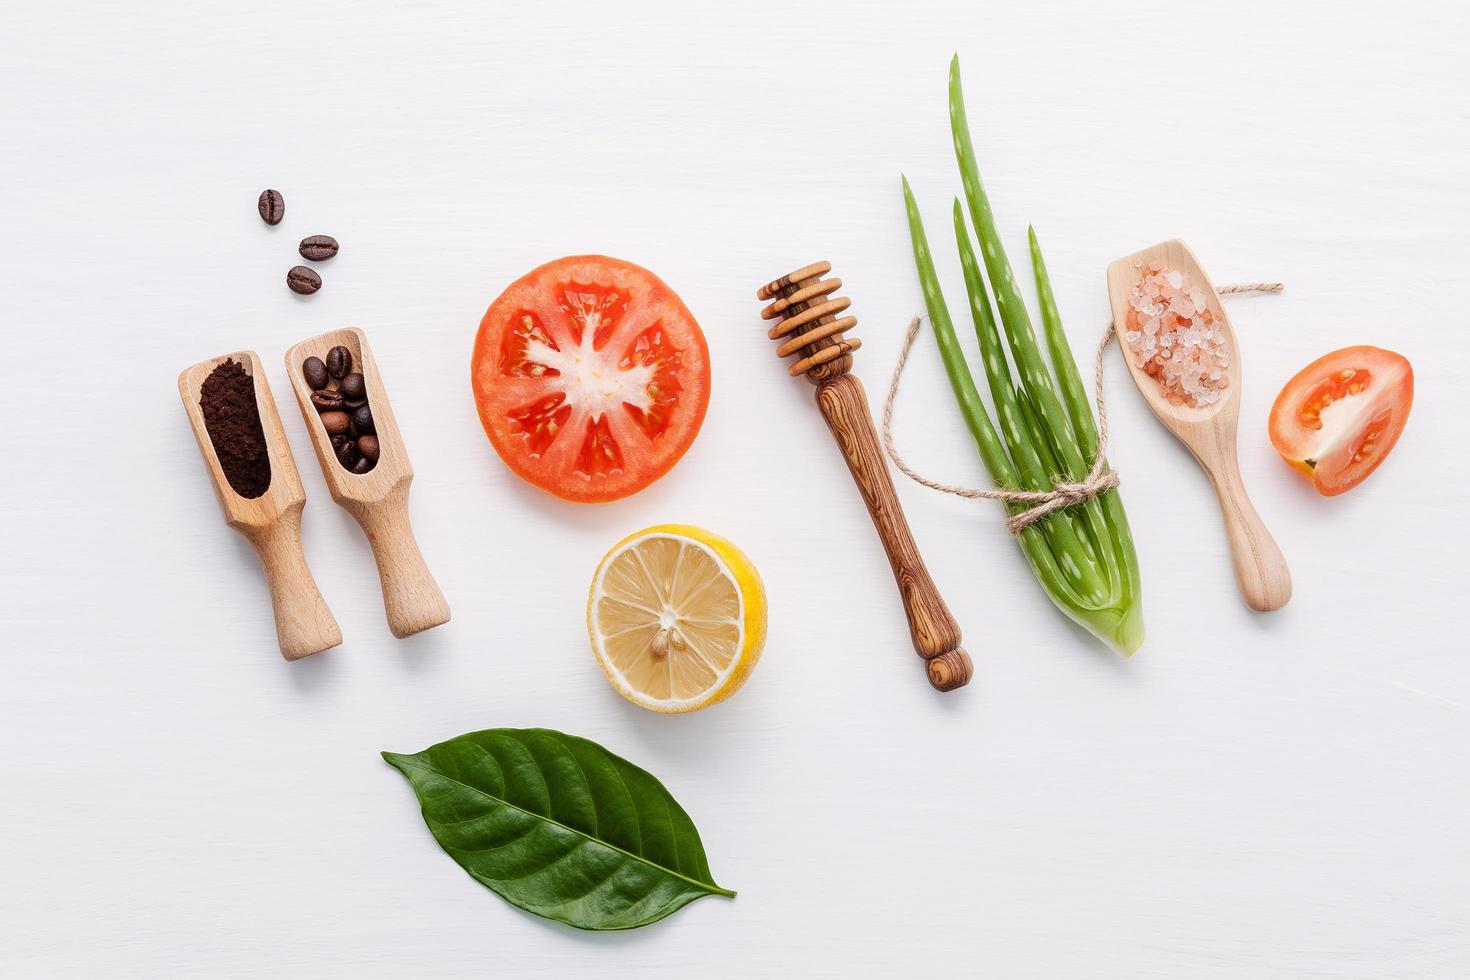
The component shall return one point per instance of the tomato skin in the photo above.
(543, 356)
(1338, 418)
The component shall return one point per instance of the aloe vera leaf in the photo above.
(1074, 395)
(1089, 520)
(1096, 584)
(1123, 561)
(992, 453)
(1034, 375)
(1023, 450)
(1073, 556)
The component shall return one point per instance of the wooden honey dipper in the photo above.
(807, 319)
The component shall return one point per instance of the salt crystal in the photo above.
(1175, 337)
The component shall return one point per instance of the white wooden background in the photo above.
(1249, 797)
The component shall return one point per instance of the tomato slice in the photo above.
(591, 377)
(1338, 418)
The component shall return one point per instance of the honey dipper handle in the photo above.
(411, 597)
(936, 635)
(1260, 568)
(304, 624)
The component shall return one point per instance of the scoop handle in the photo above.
(411, 597)
(1260, 568)
(304, 624)
(935, 633)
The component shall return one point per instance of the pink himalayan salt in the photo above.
(1175, 338)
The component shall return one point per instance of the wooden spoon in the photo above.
(1208, 430)
(378, 499)
(272, 521)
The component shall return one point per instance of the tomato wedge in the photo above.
(1338, 418)
(591, 377)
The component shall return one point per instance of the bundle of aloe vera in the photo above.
(1082, 555)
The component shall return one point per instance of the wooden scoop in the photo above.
(378, 499)
(272, 521)
(1208, 430)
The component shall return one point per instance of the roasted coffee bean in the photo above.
(327, 400)
(272, 207)
(336, 423)
(368, 446)
(346, 450)
(339, 361)
(362, 421)
(354, 388)
(318, 248)
(315, 373)
(364, 465)
(303, 281)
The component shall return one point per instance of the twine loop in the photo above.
(1063, 493)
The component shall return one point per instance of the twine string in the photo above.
(1063, 493)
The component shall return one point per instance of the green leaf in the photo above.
(559, 826)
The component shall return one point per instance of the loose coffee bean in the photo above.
(346, 450)
(272, 207)
(354, 389)
(364, 465)
(318, 248)
(362, 421)
(303, 281)
(368, 446)
(327, 400)
(339, 361)
(336, 423)
(315, 373)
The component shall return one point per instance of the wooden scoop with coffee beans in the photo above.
(366, 467)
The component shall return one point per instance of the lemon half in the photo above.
(677, 618)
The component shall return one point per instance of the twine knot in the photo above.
(1062, 493)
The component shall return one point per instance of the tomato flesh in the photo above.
(1339, 417)
(591, 377)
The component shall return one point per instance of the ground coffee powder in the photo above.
(232, 419)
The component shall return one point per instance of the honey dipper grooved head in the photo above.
(808, 324)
